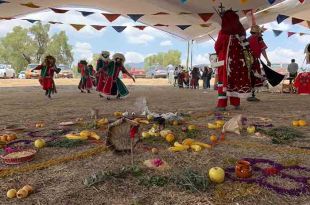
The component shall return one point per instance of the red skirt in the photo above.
(47, 83)
(101, 81)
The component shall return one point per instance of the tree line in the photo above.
(24, 46)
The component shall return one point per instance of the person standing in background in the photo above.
(205, 77)
(292, 69)
(209, 77)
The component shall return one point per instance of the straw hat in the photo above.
(105, 53)
(256, 29)
(119, 55)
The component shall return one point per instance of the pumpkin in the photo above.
(170, 138)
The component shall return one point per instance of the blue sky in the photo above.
(136, 44)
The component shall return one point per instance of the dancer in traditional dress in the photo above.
(234, 80)
(101, 69)
(48, 68)
(86, 82)
(114, 87)
(195, 76)
(258, 48)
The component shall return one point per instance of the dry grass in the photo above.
(25, 104)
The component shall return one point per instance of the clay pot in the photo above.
(243, 169)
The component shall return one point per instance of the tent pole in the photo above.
(187, 56)
(192, 54)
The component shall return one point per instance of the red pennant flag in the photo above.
(77, 26)
(111, 17)
(296, 20)
(308, 22)
(205, 16)
(289, 34)
(301, 1)
(140, 27)
(205, 25)
(6, 18)
(161, 13)
(159, 24)
(31, 5)
(98, 27)
(59, 11)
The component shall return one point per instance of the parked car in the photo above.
(66, 72)
(157, 73)
(32, 74)
(6, 71)
(22, 74)
(136, 73)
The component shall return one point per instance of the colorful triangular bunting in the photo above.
(243, 1)
(301, 34)
(119, 29)
(183, 27)
(4, 2)
(205, 25)
(54, 22)
(86, 13)
(271, 1)
(31, 20)
(161, 13)
(59, 11)
(6, 18)
(77, 26)
(111, 17)
(296, 20)
(301, 1)
(205, 16)
(140, 27)
(277, 32)
(183, 1)
(135, 17)
(159, 24)
(289, 34)
(98, 27)
(30, 5)
(184, 13)
(281, 18)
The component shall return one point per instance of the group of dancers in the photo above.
(105, 78)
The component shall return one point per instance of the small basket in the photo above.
(21, 159)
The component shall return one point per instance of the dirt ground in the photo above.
(23, 103)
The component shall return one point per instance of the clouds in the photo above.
(201, 59)
(134, 57)
(166, 43)
(284, 55)
(274, 25)
(82, 51)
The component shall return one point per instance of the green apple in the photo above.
(217, 174)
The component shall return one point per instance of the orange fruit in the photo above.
(302, 123)
(213, 138)
(295, 123)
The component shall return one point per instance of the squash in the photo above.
(204, 145)
(22, 193)
(94, 135)
(188, 142)
(177, 149)
(177, 144)
(28, 188)
(302, 123)
(85, 133)
(73, 136)
(170, 138)
(196, 148)
(164, 133)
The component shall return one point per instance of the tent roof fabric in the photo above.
(266, 12)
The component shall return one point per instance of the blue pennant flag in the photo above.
(86, 13)
(271, 1)
(3, 2)
(281, 18)
(119, 29)
(183, 1)
(135, 17)
(183, 27)
(277, 32)
(31, 20)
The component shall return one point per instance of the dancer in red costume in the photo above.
(87, 72)
(48, 68)
(101, 69)
(231, 47)
(258, 48)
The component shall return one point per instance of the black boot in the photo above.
(253, 98)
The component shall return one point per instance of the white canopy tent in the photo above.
(265, 12)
